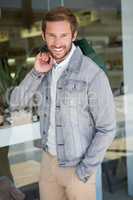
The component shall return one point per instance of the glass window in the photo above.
(20, 40)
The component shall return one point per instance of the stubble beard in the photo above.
(60, 59)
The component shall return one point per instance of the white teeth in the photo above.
(58, 49)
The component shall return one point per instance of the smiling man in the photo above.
(77, 117)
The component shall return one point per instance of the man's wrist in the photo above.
(37, 73)
(80, 172)
(80, 176)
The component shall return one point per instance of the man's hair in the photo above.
(60, 14)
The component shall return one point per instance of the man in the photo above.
(77, 119)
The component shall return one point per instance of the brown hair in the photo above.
(60, 14)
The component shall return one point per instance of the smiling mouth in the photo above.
(58, 49)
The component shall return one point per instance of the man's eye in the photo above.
(64, 35)
(52, 36)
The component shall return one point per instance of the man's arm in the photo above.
(102, 109)
(22, 95)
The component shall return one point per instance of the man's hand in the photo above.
(44, 62)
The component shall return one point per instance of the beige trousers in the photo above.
(58, 183)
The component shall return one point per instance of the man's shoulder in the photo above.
(90, 68)
(90, 64)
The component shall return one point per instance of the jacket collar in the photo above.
(75, 61)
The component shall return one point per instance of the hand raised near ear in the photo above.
(43, 62)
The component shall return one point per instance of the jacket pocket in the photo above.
(74, 92)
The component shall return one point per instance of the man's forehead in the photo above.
(59, 32)
(52, 24)
(58, 29)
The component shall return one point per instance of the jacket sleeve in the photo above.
(21, 95)
(102, 110)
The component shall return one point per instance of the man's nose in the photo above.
(57, 42)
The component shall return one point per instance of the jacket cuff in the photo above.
(80, 172)
(37, 74)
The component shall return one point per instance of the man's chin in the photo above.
(59, 58)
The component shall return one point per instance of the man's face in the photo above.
(59, 38)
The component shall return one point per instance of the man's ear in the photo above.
(43, 36)
(74, 36)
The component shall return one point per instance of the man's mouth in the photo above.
(58, 49)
